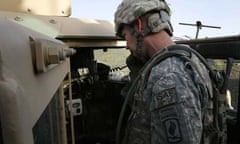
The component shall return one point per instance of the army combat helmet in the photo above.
(129, 10)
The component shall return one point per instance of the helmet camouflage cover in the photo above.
(129, 10)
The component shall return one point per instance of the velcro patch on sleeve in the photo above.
(172, 130)
(166, 97)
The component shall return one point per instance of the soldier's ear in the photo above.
(139, 25)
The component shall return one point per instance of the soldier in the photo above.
(167, 99)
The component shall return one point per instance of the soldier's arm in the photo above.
(175, 110)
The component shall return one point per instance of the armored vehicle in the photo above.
(62, 78)
(44, 97)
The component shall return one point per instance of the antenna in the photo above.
(199, 26)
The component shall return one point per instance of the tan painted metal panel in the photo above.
(80, 32)
(55, 26)
(28, 91)
(40, 7)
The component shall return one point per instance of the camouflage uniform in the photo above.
(168, 107)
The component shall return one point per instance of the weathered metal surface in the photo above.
(73, 31)
(24, 93)
(42, 7)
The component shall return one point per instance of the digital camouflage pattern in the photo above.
(168, 107)
(130, 10)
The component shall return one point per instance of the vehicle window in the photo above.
(116, 59)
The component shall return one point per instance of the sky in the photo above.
(220, 13)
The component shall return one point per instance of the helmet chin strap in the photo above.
(139, 37)
(138, 52)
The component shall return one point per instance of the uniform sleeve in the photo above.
(175, 110)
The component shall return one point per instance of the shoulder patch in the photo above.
(172, 130)
(167, 97)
